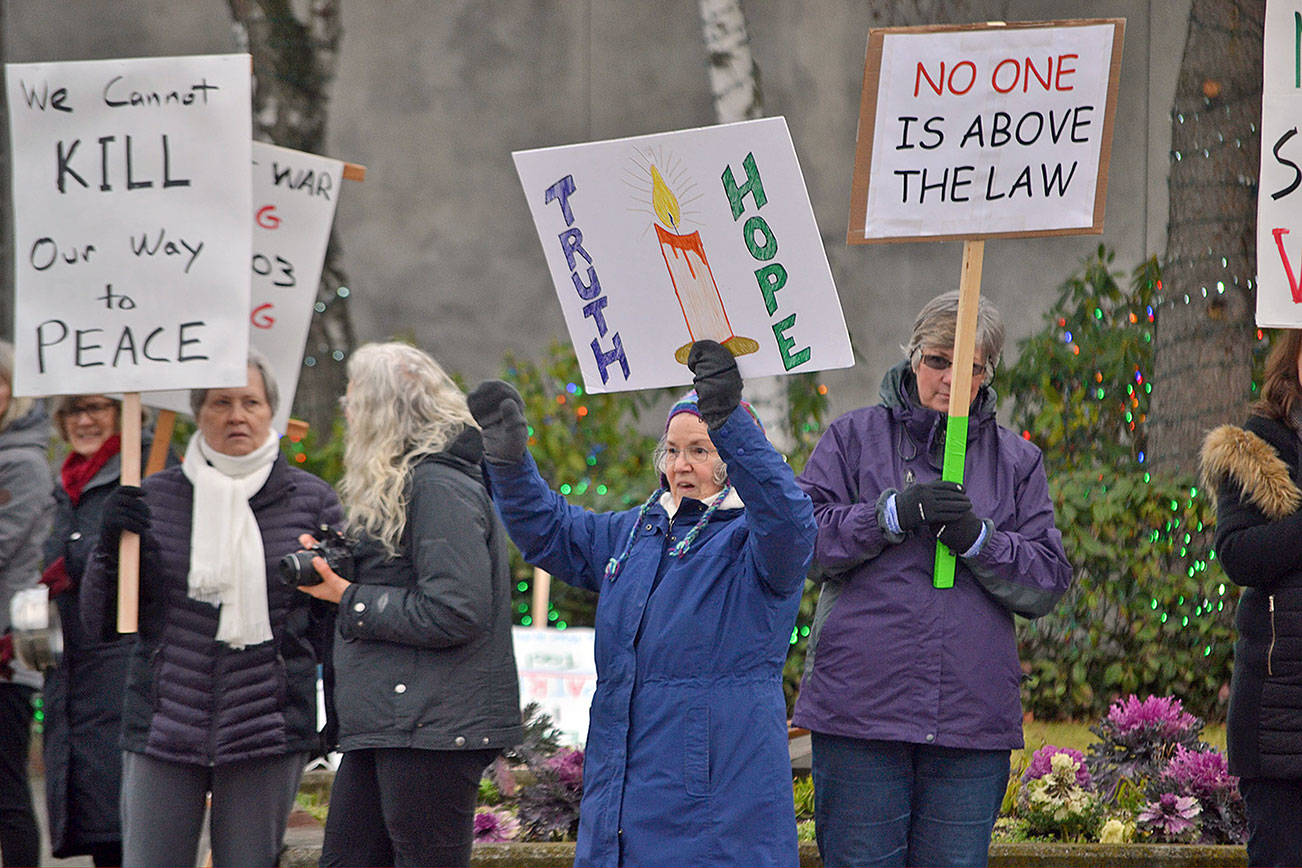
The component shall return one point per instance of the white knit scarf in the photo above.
(227, 562)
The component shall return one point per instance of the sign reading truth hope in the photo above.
(131, 223)
(657, 241)
(986, 130)
(1279, 194)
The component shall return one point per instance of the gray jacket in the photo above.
(423, 655)
(26, 513)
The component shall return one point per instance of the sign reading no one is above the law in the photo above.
(983, 131)
(131, 227)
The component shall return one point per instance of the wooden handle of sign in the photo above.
(129, 545)
(354, 172)
(162, 439)
(296, 429)
(960, 390)
(542, 588)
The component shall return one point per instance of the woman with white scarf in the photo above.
(221, 691)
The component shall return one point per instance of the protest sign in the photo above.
(985, 130)
(294, 197)
(1279, 202)
(130, 223)
(557, 670)
(982, 131)
(656, 241)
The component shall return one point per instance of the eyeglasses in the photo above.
(98, 410)
(693, 454)
(940, 363)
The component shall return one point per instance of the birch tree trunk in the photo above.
(6, 212)
(1205, 332)
(294, 63)
(735, 84)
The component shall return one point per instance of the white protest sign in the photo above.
(1279, 199)
(294, 196)
(656, 241)
(131, 225)
(983, 131)
(557, 670)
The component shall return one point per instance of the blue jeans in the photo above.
(895, 803)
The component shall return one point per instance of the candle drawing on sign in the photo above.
(689, 270)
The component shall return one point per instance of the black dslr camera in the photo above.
(296, 567)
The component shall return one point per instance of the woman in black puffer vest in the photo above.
(221, 687)
(1255, 471)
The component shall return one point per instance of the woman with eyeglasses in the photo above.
(911, 692)
(83, 692)
(26, 510)
(686, 760)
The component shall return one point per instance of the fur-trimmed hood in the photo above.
(1232, 453)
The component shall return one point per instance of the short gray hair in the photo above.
(263, 366)
(937, 322)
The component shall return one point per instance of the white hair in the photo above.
(401, 407)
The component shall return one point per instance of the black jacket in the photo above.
(190, 698)
(423, 655)
(1255, 471)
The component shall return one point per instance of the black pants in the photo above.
(1274, 820)
(404, 806)
(20, 840)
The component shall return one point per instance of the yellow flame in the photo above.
(664, 201)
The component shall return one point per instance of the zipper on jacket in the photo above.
(1271, 650)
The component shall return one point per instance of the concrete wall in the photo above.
(433, 97)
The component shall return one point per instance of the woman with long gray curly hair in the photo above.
(425, 688)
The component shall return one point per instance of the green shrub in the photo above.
(1150, 610)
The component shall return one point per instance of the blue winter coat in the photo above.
(890, 656)
(686, 760)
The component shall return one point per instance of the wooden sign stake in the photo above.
(129, 545)
(162, 440)
(542, 588)
(960, 390)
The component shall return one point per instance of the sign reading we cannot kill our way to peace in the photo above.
(1279, 194)
(985, 131)
(131, 223)
(657, 241)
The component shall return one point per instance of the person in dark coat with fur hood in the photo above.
(1255, 471)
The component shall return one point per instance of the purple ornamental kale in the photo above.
(492, 825)
(1160, 716)
(1170, 817)
(567, 763)
(1201, 773)
(1042, 760)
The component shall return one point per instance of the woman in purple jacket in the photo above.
(912, 692)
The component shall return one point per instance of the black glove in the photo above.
(718, 384)
(937, 502)
(499, 410)
(125, 510)
(960, 533)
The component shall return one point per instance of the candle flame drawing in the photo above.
(689, 270)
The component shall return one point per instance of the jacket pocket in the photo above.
(696, 751)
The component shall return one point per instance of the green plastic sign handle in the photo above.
(955, 458)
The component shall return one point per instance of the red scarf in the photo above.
(79, 470)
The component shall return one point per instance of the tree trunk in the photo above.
(1205, 329)
(735, 83)
(294, 65)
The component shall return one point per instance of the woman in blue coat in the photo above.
(686, 760)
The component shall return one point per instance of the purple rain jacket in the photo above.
(890, 657)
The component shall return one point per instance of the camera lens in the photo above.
(296, 568)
